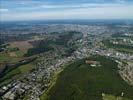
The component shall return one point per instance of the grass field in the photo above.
(80, 81)
(111, 97)
(5, 57)
(22, 45)
(11, 56)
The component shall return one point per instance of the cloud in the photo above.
(74, 6)
(112, 12)
(84, 5)
(121, 1)
(43, 10)
(3, 10)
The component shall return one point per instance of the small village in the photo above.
(33, 85)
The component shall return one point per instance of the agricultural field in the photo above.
(22, 45)
(111, 97)
(15, 51)
(81, 81)
(9, 57)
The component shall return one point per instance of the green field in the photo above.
(5, 57)
(111, 97)
(80, 81)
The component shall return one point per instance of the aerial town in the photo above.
(89, 40)
(66, 49)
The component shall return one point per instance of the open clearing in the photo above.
(111, 97)
(6, 57)
(22, 45)
(12, 54)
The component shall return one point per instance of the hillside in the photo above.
(82, 81)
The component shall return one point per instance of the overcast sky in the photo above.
(12, 10)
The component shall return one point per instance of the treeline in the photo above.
(111, 45)
(64, 40)
(42, 46)
(16, 37)
(121, 35)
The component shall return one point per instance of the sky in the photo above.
(17, 10)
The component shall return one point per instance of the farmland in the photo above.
(14, 51)
(66, 62)
(22, 45)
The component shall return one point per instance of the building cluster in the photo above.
(33, 85)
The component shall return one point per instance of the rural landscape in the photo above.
(92, 63)
(79, 50)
